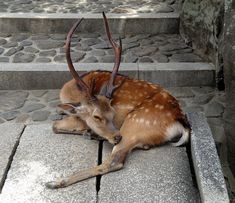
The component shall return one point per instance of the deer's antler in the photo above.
(110, 87)
(80, 83)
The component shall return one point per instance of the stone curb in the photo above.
(206, 162)
(53, 76)
(93, 23)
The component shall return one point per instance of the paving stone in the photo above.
(129, 46)
(9, 136)
(103, 45)
(130, 58)
(43, 60)
(3, 41)
(26, 43)
(48, 53)
(203, 90)
(214, 109)
(49, 44)
(58, 36)
(2, 120)
(97, 53)
(10, 52)
(13, 100)
(23, 118)
(206, 163)
(145, 59)
(90, 59)
(91, 41)
(187, 57)
(23, 58)
(51, 156)
(60, 58)
(147, 177)
(172, 47)
(52, 95)
(9, 115)
(1, 50)
(193, 108)
(203, 99)
(40, 37)
(160, 58)
(40, 115)
(146, 51)
(165, 9)
(107, 59)
(77, 56)
(19, 37)
(10, 44)
(32, 107)
(31, 50)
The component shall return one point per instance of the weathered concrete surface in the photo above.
(207, 166)
(42, 156)
(51, 76)
(9, 136)
(157, 175)
(92, 23)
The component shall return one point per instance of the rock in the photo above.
(23, 118)
(89, 35)
(10, 44)
(145, 59)
(129, 46)
(77, 56)
(10, 52)
(49, 44)
(103, 45)
(4, 59)
(2, 120)
(43, 60)
(23, 58)
(90, 59)
(92, 41)
(26, 43)
(60, 58)
(172, 47)
(2, 42)
(97, 53)
(32, 107)
(187, 57)
(82, 47)
(194, 108)
(180, 92)
(1, 50)
(203, 99)
(146, 51)
(48, 53)
(40, 115)
(130, 58)
(165, 9)
(40, 37)
(31, 50)
(9, 115)
(58, 36)
(160, 58)
(107, 59)
(203, 90)
(54, 104)
(13, 100)
(214, 109)
(19, 37)
(52, 95)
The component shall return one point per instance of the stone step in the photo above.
(52, 76)
(92, 48)
(57, 16)
(93, 23)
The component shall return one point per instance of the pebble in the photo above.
(23, 58)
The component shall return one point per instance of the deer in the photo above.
(128, 113)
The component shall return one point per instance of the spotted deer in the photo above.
(129, 113)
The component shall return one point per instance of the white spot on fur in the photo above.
(146, 110)
(147, 122)
(141, 120)
(154, 122)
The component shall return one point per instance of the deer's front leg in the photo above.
(70, 125)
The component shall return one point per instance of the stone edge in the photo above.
(211, 190)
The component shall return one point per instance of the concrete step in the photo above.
(57, 16)
(51, 76)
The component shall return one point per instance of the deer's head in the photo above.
(95, 110)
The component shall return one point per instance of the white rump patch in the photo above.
(177, 129)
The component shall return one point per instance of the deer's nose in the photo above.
(117, 138)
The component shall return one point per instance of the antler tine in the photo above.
(118, 53)
(81, 85)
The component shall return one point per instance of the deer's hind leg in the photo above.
(114, 162)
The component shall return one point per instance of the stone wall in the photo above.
(201, 25)
(229, 73)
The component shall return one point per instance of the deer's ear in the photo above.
(69, 108)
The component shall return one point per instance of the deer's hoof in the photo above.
(117, 139)
(52, 185)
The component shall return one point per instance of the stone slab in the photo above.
(9, 136)
(161, 174)
(52, 76)
(93, 23)
(206, 162)
(43, 156)
(178, 74)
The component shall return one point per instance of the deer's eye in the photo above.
(97, 118)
